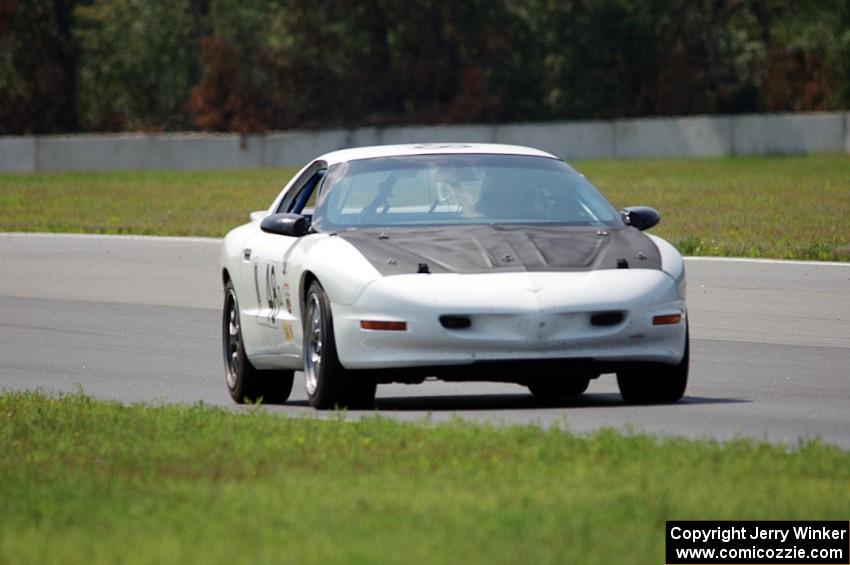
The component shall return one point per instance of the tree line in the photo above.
(255, 65)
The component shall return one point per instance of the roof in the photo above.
(344, 155)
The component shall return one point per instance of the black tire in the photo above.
(657, 383)
(559, 386)
(244, 382)
(328, 383)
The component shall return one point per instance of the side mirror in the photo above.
(640, 217)
(293, 225)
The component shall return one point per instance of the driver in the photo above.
(447, 185)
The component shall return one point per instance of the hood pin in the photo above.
(391, 261)
(382, 235)
(641, 256)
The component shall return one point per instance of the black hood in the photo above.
(503, 248)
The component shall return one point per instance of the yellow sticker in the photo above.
(287, 331)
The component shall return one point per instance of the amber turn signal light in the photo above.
(666, 320)
(386, 326)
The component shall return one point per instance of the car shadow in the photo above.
(517, 401)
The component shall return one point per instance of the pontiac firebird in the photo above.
(460, 262)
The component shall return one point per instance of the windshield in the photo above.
(458, 189)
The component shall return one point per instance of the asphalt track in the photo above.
(137, 319)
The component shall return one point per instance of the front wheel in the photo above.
(328, 383)
(244, 382)
(657, 383)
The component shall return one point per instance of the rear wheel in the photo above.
(656, 383)
(559, 387)
(328, 383)
(244, 382)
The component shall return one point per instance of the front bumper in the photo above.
(514, 317)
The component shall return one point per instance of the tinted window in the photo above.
(303, 193)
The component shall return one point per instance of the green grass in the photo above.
(782, 207)
(85, 481)
(207, 203)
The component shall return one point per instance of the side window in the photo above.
(302, 190)
(314, 195)
(306, 198)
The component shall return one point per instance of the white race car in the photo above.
(461, 262)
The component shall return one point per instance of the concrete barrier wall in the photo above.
(177, 151)
(17, 154)
(789, 133)
(570, 140)
(699, 136)
(680, 137)
(847, 133)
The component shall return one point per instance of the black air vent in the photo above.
(606, 318)
(455, 322)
